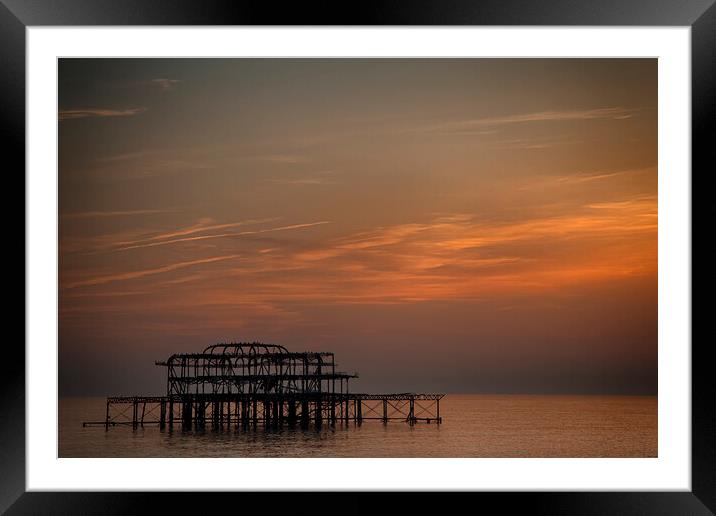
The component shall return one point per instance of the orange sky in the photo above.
(455, 225)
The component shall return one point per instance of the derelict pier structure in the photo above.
(250, 385)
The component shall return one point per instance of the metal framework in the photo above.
(247, 385)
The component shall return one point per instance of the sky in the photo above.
(442, 225)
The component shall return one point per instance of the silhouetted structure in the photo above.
(246, 385)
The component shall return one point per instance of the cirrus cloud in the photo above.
(72, 114)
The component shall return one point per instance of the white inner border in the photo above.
(670, 471)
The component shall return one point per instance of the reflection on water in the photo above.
(473, 426)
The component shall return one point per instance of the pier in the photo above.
(250, 385)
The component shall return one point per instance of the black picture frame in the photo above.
(17, 15)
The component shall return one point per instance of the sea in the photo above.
(494, 426)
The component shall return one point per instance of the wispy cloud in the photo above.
(621, 181)
(615, 113)
(111, 294)
(165, 84)
(142, 235)
(609, 113)
(165, 161)
(584, 177)
(461, 256)
(319, 178)
(533, 143)
(100, 280)
(71, 114)
(635, 206)
(102, 214)
(201, 226)
(587, 178)
(147, 164)
(304, 181)
(445, 257)
(127, 156)
(281, 158)
(161, 84)
(221, 235)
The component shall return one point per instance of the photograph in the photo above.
(358, 257)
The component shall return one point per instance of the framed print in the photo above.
(410, 251)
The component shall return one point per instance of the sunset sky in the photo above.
(453, 225)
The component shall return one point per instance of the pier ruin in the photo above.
(251, 385)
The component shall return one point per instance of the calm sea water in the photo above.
(473, 426)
